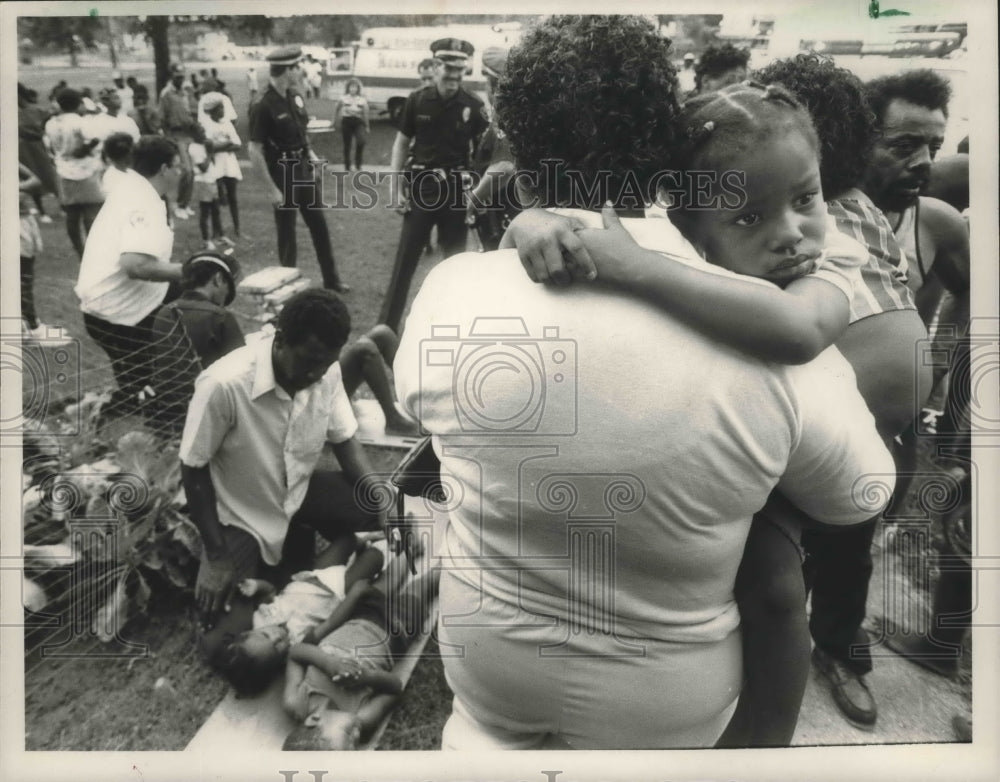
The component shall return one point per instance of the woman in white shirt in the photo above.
(353, 110)
(76, 152)
(223, 141)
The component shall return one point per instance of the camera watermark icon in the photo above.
(411, 546)
(48, 369)
(504, 381)
(929, 575)
(972, 364)
(564, 546)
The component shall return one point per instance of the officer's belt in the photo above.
(290, 152)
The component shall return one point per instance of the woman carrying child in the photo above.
(707, 431)
(775, 226)
(223, 141)
(205, 190)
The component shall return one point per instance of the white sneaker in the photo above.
(209, 245)
(45, 219)
(225, 241)
(181, 214)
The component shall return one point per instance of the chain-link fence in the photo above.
(104, 522)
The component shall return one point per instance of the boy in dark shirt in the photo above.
(192, 332)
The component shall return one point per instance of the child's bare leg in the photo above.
(386, 341)
(368, 360)
(770, 593)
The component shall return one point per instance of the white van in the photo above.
(386, 59)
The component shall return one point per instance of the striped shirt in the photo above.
(884, 288)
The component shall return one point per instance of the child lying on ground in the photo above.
(248, 662)
(338, 673)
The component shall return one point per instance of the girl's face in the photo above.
(780, 230)
(353, 89)
(268, 644)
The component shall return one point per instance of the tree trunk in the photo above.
(111, 43)
(157, 28)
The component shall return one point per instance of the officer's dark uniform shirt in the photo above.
(278, 122)
(442, 130)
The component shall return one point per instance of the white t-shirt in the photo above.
(308, 599)
(226, 163)
(111, 178)
(103, 125)
(530, 389)
(128, 99)
(133, 219)
(199, 155)
(313, 72)
(66, 132)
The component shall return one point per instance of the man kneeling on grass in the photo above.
(254, 433)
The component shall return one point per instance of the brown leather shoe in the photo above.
(849, 690)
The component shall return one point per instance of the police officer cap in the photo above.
(219, 262)
(452, 50)
(286, 55)
(689, 56)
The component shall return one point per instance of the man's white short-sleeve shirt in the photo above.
(261, 444)
(133, 219)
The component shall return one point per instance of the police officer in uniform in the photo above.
(444, 123)
(280, 151)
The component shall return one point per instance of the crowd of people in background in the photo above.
(838, 173)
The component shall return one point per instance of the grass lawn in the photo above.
(158, 701)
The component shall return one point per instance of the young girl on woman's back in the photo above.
(750, 201)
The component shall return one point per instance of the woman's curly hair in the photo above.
(598, 94)
(845, 124)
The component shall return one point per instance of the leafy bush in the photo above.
(117, 520)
